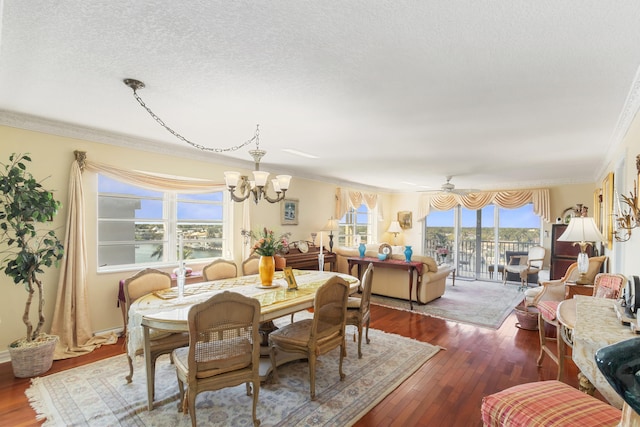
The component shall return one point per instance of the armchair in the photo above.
(606, 285)
(531, 264)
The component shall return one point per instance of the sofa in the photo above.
(392, 282)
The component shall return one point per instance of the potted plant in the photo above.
(30, 246)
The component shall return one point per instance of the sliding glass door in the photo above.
(470, 239)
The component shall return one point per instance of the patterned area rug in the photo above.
(98, 395)
(475, 302)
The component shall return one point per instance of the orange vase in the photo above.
(266, 268)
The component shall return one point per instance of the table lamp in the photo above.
(394, 228)
(332, 225)
(582, 231)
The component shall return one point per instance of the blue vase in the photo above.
(362, 248)
(407, 253)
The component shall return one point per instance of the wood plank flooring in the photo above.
(445, 391)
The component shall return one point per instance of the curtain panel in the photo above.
(509, 199)
(71, 319)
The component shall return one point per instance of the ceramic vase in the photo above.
(266, 269)
(407, 253)
(362, 248)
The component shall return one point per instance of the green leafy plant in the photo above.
(24, 207)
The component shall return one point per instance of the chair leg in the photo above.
(543, 338)
(367, 333)
(343, 352)
(312, 374)
(130, 376)
(562, 352)
(256, 390)
(274, 368)
(191, 398)
(360, 341)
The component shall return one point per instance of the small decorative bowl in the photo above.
(382, 257)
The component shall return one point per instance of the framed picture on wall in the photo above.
(289, 212)
(607, 210)
(405, 220)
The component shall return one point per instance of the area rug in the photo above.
(475, 302)
(98, 395)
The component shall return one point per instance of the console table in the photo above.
(410, 266)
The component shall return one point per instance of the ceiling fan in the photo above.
(449, 188)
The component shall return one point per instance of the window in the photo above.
(356, 226)
(138, 227)
(471, 240)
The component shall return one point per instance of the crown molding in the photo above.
(625, 119)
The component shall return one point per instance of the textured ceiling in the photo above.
(499, 94)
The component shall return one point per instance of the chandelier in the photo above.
(245, 187)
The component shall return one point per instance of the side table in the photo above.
(453, 272)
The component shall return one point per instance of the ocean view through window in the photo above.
(139, 227)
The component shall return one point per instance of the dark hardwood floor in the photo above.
(445, 391)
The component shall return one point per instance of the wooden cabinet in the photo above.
(563, 254)
(308, 260)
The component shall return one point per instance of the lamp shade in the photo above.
(581, 229)
(332, 225)
(394, 227)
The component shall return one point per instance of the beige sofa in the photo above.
(394, 282)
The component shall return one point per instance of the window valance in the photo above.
(346, 199)
(510, 199)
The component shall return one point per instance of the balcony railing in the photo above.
(473, 260)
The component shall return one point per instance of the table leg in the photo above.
(453, 277)
(411, 287)
(147, 363)
(585, 385)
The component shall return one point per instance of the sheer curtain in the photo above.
(71, 320)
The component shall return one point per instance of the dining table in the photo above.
(167, 311)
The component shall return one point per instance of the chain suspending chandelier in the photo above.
(234, 180)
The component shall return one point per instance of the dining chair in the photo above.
(316, 336)
(142, 283)
(223, 351)
(250, 265)
(358, 308)
(605, 285)
(219, 269)
(531, 264)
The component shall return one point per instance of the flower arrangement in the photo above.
(443, 252)
(267, 244)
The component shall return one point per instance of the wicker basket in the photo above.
(34, 359)
(527, 317)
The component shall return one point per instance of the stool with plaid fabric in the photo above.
(546, 403)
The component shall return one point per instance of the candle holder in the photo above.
(321, 262)
(180, 280)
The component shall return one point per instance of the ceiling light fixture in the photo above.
(257, 187)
